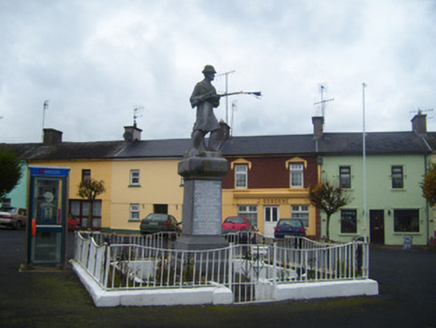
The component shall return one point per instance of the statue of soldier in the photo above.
(205, 98)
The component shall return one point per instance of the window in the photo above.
(348, 221)
(271, 213)
(397, 177)
(80, 210)
(406, 220)
(345, 177)
(241, 175)
(134, 177)
(301, 212)
(134, 212)
(296, 175)
(250, 212)
(86, 174)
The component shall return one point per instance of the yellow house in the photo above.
(85, 160)
(145, 174)
(143, 186)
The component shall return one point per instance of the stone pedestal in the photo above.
(202, 202)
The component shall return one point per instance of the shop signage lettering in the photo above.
(275, 201)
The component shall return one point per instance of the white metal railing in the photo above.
(131, 265)
(333, 262)
(157, 240)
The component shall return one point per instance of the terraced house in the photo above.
(395, 165)
(269, 178)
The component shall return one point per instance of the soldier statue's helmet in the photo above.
(209, 69)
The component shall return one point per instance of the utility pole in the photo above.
(226, 74)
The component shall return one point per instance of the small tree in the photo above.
(89, 189)
(428, 185)
(329, 199)
(10, 172)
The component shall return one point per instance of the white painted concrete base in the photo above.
(190, 296)
(265, 291)
(312, 290)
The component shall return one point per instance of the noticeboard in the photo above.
(407, 242)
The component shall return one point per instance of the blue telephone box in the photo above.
(48, 210)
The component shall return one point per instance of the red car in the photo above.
(239, 230)
(236, 223)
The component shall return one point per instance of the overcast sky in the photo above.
(98, 60)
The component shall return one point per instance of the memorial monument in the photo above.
(203, 169)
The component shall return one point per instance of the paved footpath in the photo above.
(407, 281)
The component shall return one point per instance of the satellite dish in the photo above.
(128, 136)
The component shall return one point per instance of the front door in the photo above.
(160, 208)
(271, 215)
(377, 226)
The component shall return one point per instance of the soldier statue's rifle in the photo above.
(257, 94)
(212, 96)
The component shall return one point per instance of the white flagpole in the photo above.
(43, 118)
(365, 218)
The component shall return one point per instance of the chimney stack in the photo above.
(419, 123)
(318, 126)
(224, 131)
(132, 133)
(52, 137)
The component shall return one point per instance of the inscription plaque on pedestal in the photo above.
(207, 209)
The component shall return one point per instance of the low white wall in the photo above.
(265, 291)
(328, 289)
(189, 296)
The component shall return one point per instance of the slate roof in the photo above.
(67, 150)
(431, 140)
(376, 143)
(269, 145)
(155, 148)
(328, 144)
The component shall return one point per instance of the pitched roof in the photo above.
(269, 145)
(376, 143)
(328, 144)
(155, 148)
(67, 150)
(431, 140)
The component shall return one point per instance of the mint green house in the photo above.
(390, 191)
(18, 196)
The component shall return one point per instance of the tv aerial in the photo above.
(135, 113)
(323, 101)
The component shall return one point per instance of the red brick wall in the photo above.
(271, 172)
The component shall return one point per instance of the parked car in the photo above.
(289, 227)
(154, 222)
(241, 226)
(236, 223)
(13, 217)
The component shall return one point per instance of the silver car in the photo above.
(13, 217)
